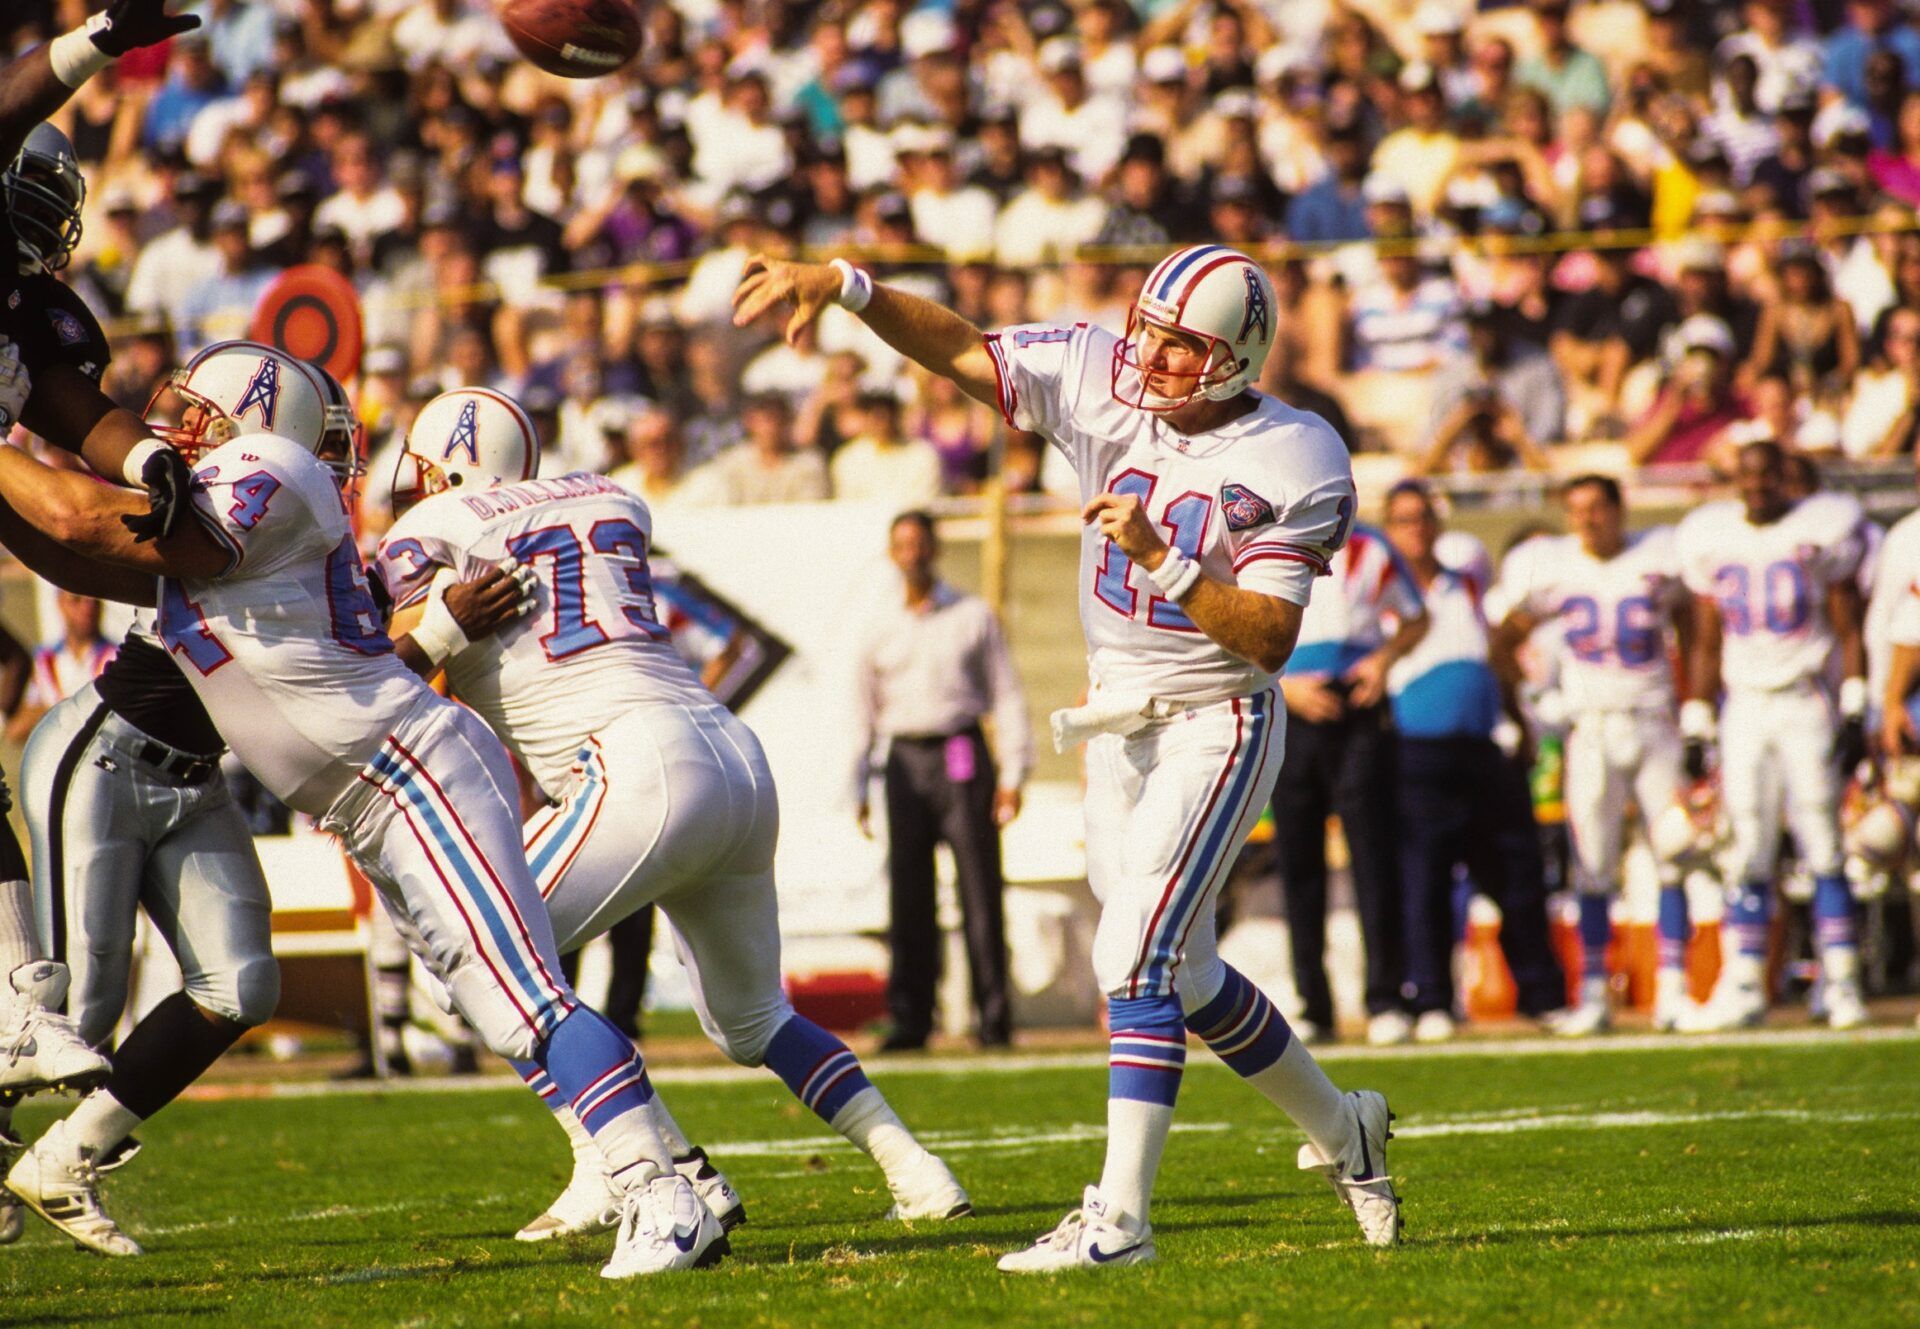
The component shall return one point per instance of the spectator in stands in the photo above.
(1806, 334)
(1879, 418)
(1048, 220)
(959, 429)
(1605, 330)
(764, 467)
(1698, 401)
(222, 307)
(1065, 115)
(947, 214)
(1870, 26)
(1515, 378)
(931, 664)
(175, 263)
(1462, 800)
(1568, 75)
(655, 459)
(1333, 208)
(60, 668)
(881, 464)
(1422, 153)
(193, 83)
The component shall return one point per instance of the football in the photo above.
(573, 38)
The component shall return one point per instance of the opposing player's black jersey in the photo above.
(52, 325)
(144, 687)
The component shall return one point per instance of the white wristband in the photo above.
(74, 57)
(137, 460)
(1175, 576)
(1697, 720)
(1853, 698)
(438, 634)
(856, 287)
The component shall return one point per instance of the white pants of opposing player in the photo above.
(435, 826)
(1614, 756)
(1776, 757)
(676, 808)
(1168, 809)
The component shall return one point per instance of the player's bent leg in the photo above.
(1602, 753)
(1656, 787)
(1752, 790)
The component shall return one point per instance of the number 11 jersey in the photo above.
(1263, 503)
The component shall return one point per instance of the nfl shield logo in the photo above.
(1244, 508)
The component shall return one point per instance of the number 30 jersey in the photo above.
(285, 648)
(593, 647)
(1612, 614)
(1770, 583)
(1263, 503)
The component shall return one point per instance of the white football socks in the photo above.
(669, 1128)
(870, 1122)
(1298, 1087)
(19, 942)
(1136, 1137)
(99, 1123)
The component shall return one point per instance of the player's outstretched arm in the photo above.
(66, 569)
(454, 615)
(89, 518)
(35, 85)
(935, 338)
(1256, 627)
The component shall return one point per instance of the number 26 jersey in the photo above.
(1263, 503)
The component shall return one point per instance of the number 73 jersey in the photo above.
(1770, 583)
(1263, 503)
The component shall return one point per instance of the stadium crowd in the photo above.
(1501, 235)
(1689, 223)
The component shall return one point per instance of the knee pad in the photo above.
(744, 1037)
(1119, 942)
(500, 1024)
(248, 993)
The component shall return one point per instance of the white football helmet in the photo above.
(1207, 291)
(468, 438)
(233, 388)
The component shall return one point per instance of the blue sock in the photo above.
(1674, 927)
(821, 1070)
(1147, 1048)
(1749, 911)
(594, 1069)
(1833, 912)
(1241, 1025)
(1462, 897)
(541, 1083)
(1596, 930)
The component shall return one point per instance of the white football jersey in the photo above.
(1368, 591)
(1612, 615)
(1264, 502)
(286, 648)
(1770, 583)
(593, 647)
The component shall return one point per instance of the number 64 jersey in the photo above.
(1263, 503)
(592, 649)
(1770, 583)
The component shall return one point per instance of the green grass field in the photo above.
(1737, 1183)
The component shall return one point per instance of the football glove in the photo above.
(128, 24)
(168, 482)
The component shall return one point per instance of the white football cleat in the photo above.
(1582, 1021)
(1669, 999)
(588, 1204)
(62, 1185)
(39, 1048)
(1733, 1005)
(13, 1218)
(1433, 1027)
(665, 1226)
(713, 1188)
(1094, 1236)
(1389, 1029)
(1846, 1009)
(1359, 1176)
(925, 1188)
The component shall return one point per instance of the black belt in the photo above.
(182, 766)
(970, 731)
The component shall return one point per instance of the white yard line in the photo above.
(890, 1067)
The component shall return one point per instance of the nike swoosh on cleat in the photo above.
(685, 1243)
(1099, 1256)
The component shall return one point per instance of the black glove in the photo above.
(382, 597)
(1695, 761)
(133, 23)
(1850, 744)
(168, 482)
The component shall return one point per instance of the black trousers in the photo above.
(1462, 800)
(926, 805)
(1342, 768)
(632, 942)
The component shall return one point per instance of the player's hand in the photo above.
(863, 818)
(169, 483)
(1006, 806)
(16, 385)
(1694, 762)
(486, 603)
(129, 24)
(1367, 680)
(1312, 700)
(1897, 738)
(1850, 746)
(1122, 518)
(767, 282)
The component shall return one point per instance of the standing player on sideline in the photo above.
(1210, 508)
(1614, 596)
(54, 337)
(660, 795)
(1775, 594)
(264, 598)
